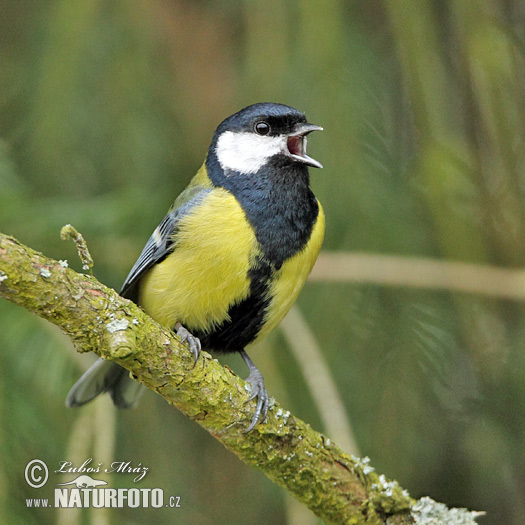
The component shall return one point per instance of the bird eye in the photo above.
(262, 128)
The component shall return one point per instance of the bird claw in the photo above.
(256, 381)
(263, 400)
(193, 342)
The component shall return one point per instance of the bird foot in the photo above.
(256, 380)
(186, 336)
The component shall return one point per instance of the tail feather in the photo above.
(105, 376)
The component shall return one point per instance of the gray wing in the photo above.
(107, 376)
(159, 245)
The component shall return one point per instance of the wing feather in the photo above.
(161, 243)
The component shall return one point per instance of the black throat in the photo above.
(277, 201)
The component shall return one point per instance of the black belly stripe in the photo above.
(246, 317)
(282, 210)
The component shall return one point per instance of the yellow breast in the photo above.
(207, 271)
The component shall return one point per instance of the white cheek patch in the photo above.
(247, 152)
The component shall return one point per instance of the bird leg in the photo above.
(185, 335)
(256, 381)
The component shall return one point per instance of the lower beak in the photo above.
(296, 144)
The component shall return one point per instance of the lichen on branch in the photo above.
(337, 487)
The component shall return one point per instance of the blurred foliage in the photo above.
(107, 109)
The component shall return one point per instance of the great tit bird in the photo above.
(231, 256)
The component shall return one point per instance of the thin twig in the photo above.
(69, 232)
(419, 272)
(319, 379)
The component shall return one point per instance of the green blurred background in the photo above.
(107, 108)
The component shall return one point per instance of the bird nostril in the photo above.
(295, 145)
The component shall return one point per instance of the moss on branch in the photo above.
(335, 486)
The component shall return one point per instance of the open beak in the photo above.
(296, 143)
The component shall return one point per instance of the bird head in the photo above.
(246, 141)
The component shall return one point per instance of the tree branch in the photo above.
(420, 272)
(337, 487)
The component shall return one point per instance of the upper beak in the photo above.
(296, 143)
